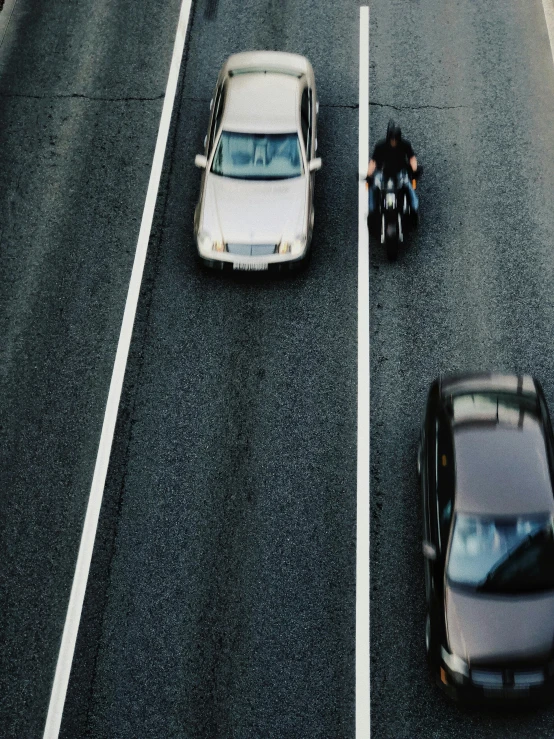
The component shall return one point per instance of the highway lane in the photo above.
(473, 85)
(222, 593)
(81, 90)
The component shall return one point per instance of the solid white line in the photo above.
(362, 526)
(5, 18)
(65, 656)
(548, 6)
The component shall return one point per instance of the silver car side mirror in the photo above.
(315, 164)
(201, 161)
(429, 550)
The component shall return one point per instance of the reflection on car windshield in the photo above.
(249, 156)
(502, 555)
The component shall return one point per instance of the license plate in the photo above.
(257, 266)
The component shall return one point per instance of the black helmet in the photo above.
(393, 131)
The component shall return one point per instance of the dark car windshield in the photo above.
(514, 555)
(250, 156)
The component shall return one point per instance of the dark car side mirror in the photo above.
(429, 550)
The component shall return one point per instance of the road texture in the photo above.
(473, 85)
(221, 598)
(225, 569)
(81, 90)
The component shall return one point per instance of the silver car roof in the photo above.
(260, 102)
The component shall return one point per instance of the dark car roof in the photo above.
(502, 467)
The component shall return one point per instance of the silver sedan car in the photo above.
(255, 210)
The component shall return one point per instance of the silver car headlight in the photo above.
(298, 245)
(207, 243)
(294, 246)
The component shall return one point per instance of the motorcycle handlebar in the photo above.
(412, 175)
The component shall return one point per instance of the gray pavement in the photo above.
(81, 88)
(229, 590)
(475, 85)
(221, 600)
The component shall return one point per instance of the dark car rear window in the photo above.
(504, 408)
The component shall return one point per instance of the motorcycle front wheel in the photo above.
(391, 241)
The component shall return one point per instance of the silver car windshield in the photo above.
(248, 156)
(514, 555)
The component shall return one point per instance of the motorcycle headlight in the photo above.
(390, 200)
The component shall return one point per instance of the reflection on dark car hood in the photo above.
(495, 629)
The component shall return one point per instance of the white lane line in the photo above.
(73, 617)
(548, 6)
(362, 526)
(6, 12)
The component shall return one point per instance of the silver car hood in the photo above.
(254, 211)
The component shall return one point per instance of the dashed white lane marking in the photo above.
(73, 617)
(362, 526)
(548, 6)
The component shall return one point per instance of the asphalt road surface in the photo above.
(81, 91)
(221, 598)
(228, 592)
(473, 85)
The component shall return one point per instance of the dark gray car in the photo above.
(485, 461)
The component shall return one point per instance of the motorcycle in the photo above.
(393, 214)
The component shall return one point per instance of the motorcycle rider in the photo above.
(395, 154)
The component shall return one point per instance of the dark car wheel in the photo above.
(431, 646)
(428, 634)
